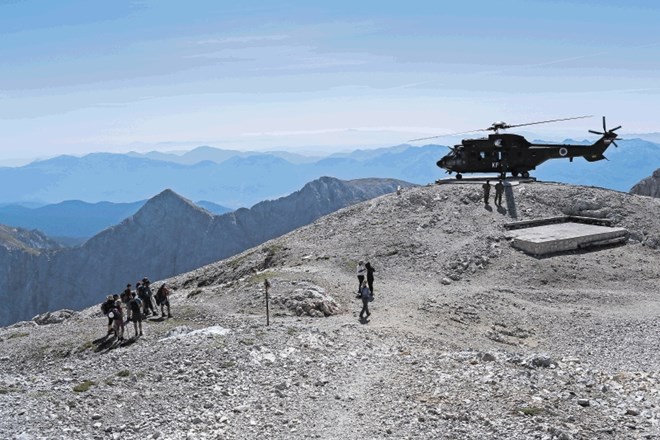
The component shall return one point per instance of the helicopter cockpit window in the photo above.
(482, 155)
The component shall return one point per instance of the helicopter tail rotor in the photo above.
(607, 134)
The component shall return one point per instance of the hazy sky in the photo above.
(82, 76)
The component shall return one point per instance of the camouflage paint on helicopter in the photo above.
(504, 153)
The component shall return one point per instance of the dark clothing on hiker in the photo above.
(135, 306)
(365, 294)
(370, 276)
(499, 190)
(486, 187)
(145, 294)
(163, 300)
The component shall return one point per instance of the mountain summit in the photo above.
(468, 338)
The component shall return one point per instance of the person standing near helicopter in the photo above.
(499, 190)
(486, 187)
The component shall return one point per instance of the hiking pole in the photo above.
(266, 286)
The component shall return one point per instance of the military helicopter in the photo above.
(511, 153)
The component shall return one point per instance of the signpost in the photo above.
(266, 287)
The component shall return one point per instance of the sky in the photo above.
(79, 76)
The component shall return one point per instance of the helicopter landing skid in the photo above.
(482, 179)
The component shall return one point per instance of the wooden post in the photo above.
(266, 287)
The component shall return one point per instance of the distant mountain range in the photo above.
(114, 186)
(167, 236)
(73, 221)
(240, 179)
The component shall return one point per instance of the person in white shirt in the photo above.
(361, 272)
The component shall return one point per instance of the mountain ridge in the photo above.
(168, 235)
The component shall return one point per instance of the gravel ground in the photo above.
(468, 337)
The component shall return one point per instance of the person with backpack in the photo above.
(135, 310)
(163, 300)
(366, 296)
(145, 294)
(106, 307)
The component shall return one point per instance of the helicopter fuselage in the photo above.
(511, 153)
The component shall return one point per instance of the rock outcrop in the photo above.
(167, 236)
(649, 186)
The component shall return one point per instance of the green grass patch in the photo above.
(291, 331)
(89, 345)
(261, 277)
(123, 373)
(273, 249)
(235, 262)
(227, 364)
(247, 341)
(194, 293)
(531, 410)
(84, 386)
(8, 390)
(18, 335)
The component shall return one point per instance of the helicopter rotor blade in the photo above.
(447, 135)
(615, 129)
(550, 120)
(615, 144)
(423, 139)
(604, 127)
(596, 132)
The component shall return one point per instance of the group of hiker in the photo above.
(499, 191)
(134, 306)
(365, 286)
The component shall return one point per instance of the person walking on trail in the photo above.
(499, 190)
(163, 300)
(370, 276)
(361, 272)
(366, 296)
(135, 311)
(486, 187)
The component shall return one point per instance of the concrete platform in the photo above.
(565, 236)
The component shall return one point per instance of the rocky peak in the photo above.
(649, 186)
(169, 203)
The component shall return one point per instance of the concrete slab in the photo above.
(566, 236)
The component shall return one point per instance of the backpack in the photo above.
(105, 307)
(135, 305)
(366, 294)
